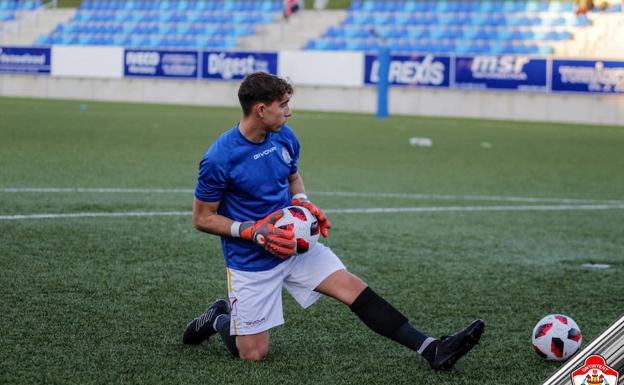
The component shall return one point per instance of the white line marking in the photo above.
(466, 197)
(372, 210)
(473, 208)
(95, 215)
(94, 190)
(324, 193)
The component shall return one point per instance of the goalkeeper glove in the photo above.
(303, 201)
(276, 241)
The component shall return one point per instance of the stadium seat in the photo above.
(436, 25)
(487, 22)
(43, 40)
(133, 22)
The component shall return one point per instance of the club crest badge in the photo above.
(286, 156)
(595, 371)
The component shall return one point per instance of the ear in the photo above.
(260, 107)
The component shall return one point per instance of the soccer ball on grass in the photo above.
(556, 337)
(303, 223)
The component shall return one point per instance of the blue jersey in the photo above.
(251, 181)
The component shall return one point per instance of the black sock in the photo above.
(385, 319)
(222, 326)
(408, 335)
(430, 351)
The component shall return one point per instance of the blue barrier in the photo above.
(25, 60)
(484, 72)
(588, 76)
(219, 65)
(161, 64)
(506, 72)
(411, 70)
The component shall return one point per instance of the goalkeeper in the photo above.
(246, 177)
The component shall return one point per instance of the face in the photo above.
(275, 115)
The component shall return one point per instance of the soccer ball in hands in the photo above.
(303, 223)
(556, 337)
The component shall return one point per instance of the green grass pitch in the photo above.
(105, 299)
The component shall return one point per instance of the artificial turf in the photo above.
(105, 299)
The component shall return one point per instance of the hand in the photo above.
(276, 241)
(323, 222)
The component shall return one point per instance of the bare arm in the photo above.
(278, 242)
(206, 219)
(296, 185)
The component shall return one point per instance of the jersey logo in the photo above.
(286, 155)
(264, 153)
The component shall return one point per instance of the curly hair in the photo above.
(262, 87)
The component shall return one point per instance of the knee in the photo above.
(253, 347)
(342, 285)
(355, 283)
(254, 354)
(351, 287)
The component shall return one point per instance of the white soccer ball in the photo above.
(556, 337)
(303, 223)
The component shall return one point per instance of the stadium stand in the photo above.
(452, 26)
(406, 26)
(604, 40)
(294, 33)
(165, 24)
(21, 21)
(10, 8)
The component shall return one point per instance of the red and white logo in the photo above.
(595, 371)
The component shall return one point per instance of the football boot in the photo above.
(200, 328)
(451, 348)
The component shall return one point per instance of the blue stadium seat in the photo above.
(327, 44)
(470, 32)
(188, 23)
(418, 33)
(311, 44)
(363, 19)
(118, 39)
(6, 15)
(511, 6)
(426, 24)
(86, 4)
(445, 46)
(582, 21)
(409, 6)
(532, 6)
(383, 18)
(43, 40)
(528, 35)
(402, 18)
(369, 5)
(615, 8)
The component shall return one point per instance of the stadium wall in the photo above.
(324, 81)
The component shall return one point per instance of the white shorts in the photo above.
(256, 296)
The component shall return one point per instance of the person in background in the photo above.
(291, 7)
(583, 7)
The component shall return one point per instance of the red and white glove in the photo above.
(303, 201)
(276, 241)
